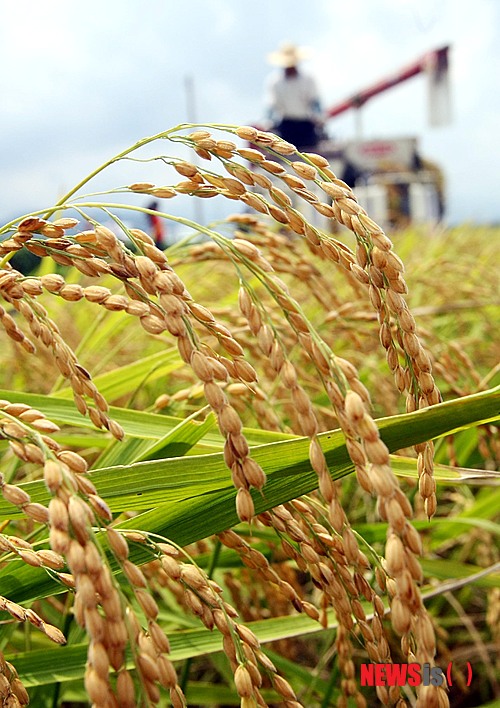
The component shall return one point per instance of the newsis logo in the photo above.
(408, 675)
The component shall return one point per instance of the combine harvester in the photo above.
(392, 180)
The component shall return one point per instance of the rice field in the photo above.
(246, 468)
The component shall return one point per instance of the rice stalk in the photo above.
(269, 350)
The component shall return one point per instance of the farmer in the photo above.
(293, 103)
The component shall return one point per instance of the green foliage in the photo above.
(168, 479)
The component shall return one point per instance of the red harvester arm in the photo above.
(435, 60)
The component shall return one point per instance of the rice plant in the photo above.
(218, 472)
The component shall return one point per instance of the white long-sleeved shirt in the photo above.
(294, 97)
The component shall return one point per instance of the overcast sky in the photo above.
(80, 81)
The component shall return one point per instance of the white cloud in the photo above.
(85, 80)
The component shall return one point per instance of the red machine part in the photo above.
(435, 61)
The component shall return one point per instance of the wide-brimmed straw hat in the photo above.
(288, 55)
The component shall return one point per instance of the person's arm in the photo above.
(314, 99)
(315, 106)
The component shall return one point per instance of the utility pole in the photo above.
(191, 114)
